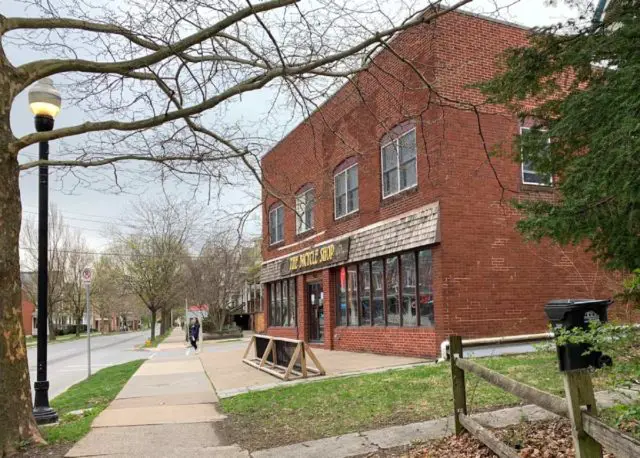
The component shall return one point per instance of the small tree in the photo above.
(78, 258)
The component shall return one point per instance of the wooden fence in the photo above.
(589, 433)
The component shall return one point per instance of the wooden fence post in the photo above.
(579, 392)
(457, 375)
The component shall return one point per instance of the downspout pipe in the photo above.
(444, 346)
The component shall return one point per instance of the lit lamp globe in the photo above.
(45, 103)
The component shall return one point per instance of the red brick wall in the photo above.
(27, 315)
(487, 280)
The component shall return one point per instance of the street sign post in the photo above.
(86, 278)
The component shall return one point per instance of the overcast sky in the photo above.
(92, 210)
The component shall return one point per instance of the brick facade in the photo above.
(487, 280)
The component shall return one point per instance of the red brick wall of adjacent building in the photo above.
(487, 280)
(27, 315)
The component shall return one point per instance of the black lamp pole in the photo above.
(42, 412)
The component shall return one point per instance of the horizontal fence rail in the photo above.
(621, 445)
(487, 438)
(547, 401)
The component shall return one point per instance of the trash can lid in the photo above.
(556, 309)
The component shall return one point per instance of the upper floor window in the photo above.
(399, 164)
(532, 138)
(276, 224)
(305, 202)
(346, 191)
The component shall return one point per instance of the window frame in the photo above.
(396, 141)
(522, 171)
(346, 193)
(279, 308)
(301, 215)
(276, 208)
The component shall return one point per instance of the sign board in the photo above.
(316, 258)
(86, 276)
(198, 311)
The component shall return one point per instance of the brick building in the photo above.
(386, 227)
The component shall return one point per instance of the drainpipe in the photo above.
(444, 346)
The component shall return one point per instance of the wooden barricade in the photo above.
(282, 357)
(589, 433)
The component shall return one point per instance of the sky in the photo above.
(94, 210)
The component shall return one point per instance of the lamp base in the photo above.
(45, 415)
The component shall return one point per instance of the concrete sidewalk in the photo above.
(167, 409)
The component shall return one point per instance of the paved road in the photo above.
(67, 361)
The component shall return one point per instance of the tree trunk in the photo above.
(163, 321)
(78, 324)
(153, 324)
(52, 327)
(16, 418)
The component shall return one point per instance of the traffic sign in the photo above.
(86, 275)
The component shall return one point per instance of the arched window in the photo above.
(305, 203)
(345, 182)
(399, 160)
(276, 223)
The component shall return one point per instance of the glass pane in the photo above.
(352, 201)
(278, 308)
(426, 288)
(409, 305)
(341, 310)
(293, 312)
(285, 304)
(352, 294)
(352, 178)
(340, 192)
(300, 208)
(272, 304)
(408, 174)
(272, 227)
(393, 309)
(365, 294)
(407, 147)
(389, 158)
(308, 213)
(378, 291)
(280, 215)
(390, 182)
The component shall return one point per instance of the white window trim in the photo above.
(274, 209)
(298, 218)
(397, 141)
(530, 183)
(346, 184)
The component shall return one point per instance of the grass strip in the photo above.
(344, 405)
(157, 341)
(94, 394)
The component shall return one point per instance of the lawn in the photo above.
(343, 405)
(94, 394)
(157, 341)
(32, 341)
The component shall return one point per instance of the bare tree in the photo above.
(144, 73)
(152, 257)
(60, 246)
(77, 259)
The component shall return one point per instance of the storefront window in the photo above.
(377, 274)
(425, 263)
(341, 310)
(409, 306)
(365, 294)
(352, 294)
(393, 309)
(282, 303)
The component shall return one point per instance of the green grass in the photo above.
(32, 341)
(344, 405)
(95, 393)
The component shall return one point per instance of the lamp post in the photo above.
(45, 102)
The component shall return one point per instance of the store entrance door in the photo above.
(315, 299)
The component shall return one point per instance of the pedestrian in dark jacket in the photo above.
(194, 334)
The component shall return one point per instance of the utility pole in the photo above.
(86, 278)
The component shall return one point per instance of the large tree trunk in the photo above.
(52, 327)
(153, 324)
(78, 324)
(163, 321)
(16, 418)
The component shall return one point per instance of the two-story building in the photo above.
(386, 222)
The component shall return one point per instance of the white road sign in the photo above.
(86, 275)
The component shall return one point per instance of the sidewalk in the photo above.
(167, 409)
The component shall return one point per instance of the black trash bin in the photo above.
(573, 313)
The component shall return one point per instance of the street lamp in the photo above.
(45, 102)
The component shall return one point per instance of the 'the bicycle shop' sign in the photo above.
(316, 258)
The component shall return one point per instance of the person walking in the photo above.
(194, 334)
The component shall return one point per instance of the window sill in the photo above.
(347, 217)
(276, 245)
(398, 196)
(305, 234)
(524, 187)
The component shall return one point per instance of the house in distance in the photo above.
(386, 222)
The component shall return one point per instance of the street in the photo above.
(67, 362)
